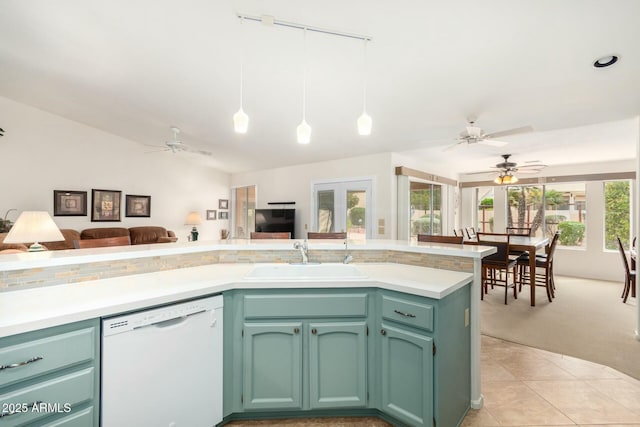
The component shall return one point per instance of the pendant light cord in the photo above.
(364, 77)
(304, 76)
(242, 57)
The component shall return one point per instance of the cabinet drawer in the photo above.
(300, 306)
(22, 361)
(70, 389)
(82, 418)
(408, 312)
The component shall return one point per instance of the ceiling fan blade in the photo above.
(492, 142)
(452, 146)
(479, 173)
(513, 131)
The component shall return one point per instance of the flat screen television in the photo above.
(276, 220)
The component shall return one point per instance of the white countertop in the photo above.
(26, 260)
(31, 309)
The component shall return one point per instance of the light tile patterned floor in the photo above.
(524, 386)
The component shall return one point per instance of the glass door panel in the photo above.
(356, 214)
(326, 211)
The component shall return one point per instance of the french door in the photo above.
(344, 206)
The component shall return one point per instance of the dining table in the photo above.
(529, 244)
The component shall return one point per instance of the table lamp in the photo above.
(34, 226)
(194, 219)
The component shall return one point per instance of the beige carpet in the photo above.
(587, 319)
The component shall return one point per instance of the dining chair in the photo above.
(458, 233)
(440, 239)
(495, 264)
(519, 231)
(544, 262)
(268, 235)
(101, 243)
(318, 235)
(471, 233)
(629, 275)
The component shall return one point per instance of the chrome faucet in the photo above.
(304, 250)
(347, 258)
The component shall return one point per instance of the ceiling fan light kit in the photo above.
(303, 131)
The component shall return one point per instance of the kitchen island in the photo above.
(224, 266)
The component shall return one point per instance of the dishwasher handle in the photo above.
(173, 321)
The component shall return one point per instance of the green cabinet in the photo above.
(337, 364)
(296, 350)
(50, 377)
(407, 375)
(272, 365)
(350, 351)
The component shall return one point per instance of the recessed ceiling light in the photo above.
(605, 61)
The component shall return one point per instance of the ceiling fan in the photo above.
(175, 145)
(506, 170)
(476, 135)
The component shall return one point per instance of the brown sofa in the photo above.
(137, 235)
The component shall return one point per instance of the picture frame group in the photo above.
(105, 204)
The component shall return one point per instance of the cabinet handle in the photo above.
(383, 332)
(404, 314)
(296, 330)
(21, 408)
(314, 331)
(17, 365)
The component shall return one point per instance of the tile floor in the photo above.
(524, 386)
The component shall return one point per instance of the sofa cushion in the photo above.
(149, 234)
(69, 236)
(101, 233)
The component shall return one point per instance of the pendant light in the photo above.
(304, 130)
(240, 118)
(364, 121)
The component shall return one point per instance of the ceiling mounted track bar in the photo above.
(270, 20)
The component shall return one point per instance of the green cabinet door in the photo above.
(407, 376)
(337, 364)
(272, 365)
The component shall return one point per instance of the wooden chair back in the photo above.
(317, 235)
(440, 239)
(268, 235)
(519, 231)
(471, 233)
(552, 247)
(501, 243)
(101, 243)
(627, 271)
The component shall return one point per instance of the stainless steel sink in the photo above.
(305, 272)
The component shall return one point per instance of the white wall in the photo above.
(42, 152)
(294, 183)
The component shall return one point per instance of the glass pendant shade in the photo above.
(364, 124)
(304, 132)
(506, 179)
(241, 121)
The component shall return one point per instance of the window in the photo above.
(243, 205)
(344, 206)
(550, 208)
(485, 209)
(426, 202)
(617, 213)
(566, 211)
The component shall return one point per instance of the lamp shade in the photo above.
(193, 218)
(34, 226)
(304, 132)
(240, 121)
(364, 124)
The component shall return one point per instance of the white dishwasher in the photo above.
(163, 367)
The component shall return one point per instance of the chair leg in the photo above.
(547, 283)
(625, 291)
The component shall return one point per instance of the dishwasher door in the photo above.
(163, 367)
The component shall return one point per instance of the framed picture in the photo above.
(223, 215)
(138, 205)
(105, 205)
(69, 203)
(211, 214)
(223, 204)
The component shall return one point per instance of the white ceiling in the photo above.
(135, 68)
